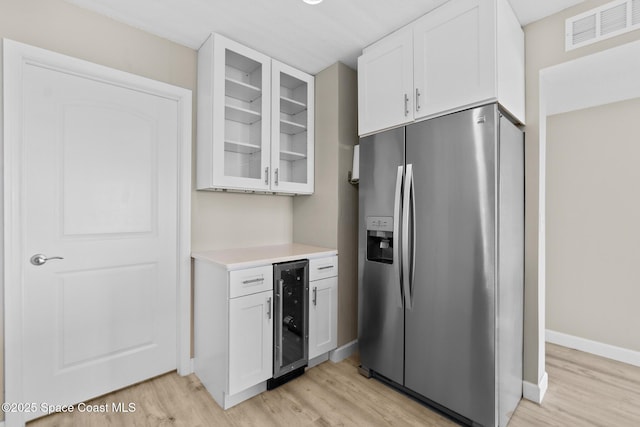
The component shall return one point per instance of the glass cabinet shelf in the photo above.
(292, 155)
(241, 115)
(240, 90)
(241, 147)
(291, 128)
(291, 106)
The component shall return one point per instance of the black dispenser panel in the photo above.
(380, 239)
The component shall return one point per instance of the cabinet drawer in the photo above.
(250, 280)
(323, 267)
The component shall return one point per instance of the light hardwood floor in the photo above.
(584, 390)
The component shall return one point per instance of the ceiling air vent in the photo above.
(606, 21)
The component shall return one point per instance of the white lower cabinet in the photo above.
(234, 316)
(323, 316)
(250, 340)
(233, 331)
(323, 305)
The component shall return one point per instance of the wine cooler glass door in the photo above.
(291, 325)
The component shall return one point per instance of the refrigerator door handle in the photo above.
(405, 237)
(396, 233)
(413, 235)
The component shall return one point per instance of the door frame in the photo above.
(15, 56)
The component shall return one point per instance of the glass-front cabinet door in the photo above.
(234, 88)
(255, 121)
(291, 320)
(292, 143)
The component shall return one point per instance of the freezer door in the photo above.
(510, 268)
(450, 324)
(381, 316)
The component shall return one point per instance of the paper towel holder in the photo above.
(351, 180)
(354, 174)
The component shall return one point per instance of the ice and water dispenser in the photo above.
(380, 239)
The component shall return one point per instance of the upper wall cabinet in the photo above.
(234, 116)
(292, 144)
(255, 124)
(464, 53)
(385, 83)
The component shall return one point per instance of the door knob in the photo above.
(39, 259)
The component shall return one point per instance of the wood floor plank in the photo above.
(584, 390)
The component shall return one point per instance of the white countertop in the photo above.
(239, 258)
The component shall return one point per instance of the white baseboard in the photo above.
(594, 347)
(341, 353)
(318, 360)
(535, 392)
(232, 400)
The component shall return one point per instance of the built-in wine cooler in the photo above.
(291, 321)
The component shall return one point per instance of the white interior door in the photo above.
(99, 188)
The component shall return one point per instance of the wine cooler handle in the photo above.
(280, 320)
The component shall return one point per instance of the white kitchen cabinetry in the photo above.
(250, 340)
(385, 83)
(233, 315)
(323, 306)
(464, 53)
(233, 330)
(292, 131)
(463, 72)
(255, 123)
(234, 106)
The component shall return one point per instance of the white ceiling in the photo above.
(307, 37)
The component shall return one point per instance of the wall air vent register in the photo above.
(609, 20)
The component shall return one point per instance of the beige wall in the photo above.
(234, 220)
(348, 207)
(218, 219)
(592, 224)
(330, 216)
(544, 47)
(315, 218)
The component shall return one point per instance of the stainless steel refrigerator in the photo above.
(441, 255)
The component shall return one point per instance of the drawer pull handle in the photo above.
(247, 282)
(326, 267)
